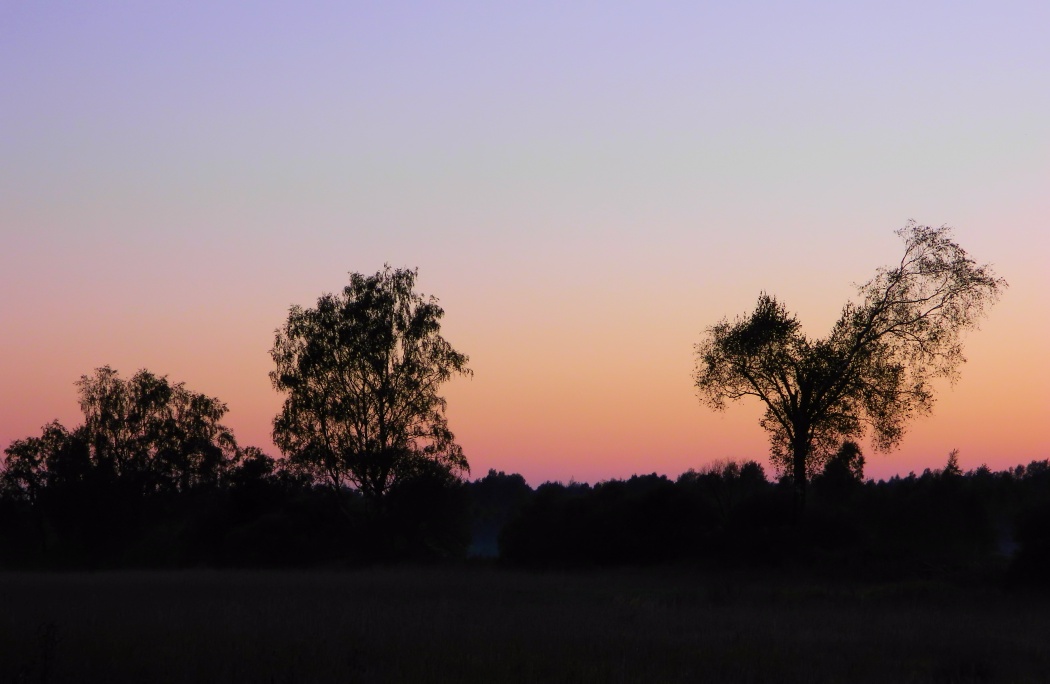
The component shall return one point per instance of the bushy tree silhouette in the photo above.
(145, 448)
(159, 432)
(361, 373)
(496, 499)
(146, 429)
(874, 370)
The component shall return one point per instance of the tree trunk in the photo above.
(799, 452)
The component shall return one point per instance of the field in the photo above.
(483, 624)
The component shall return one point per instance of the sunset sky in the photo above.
(586, 187)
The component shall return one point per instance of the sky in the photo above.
(586, 187)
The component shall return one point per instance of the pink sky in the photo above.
(585, 191)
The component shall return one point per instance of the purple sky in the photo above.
(586, 189)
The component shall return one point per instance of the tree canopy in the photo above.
(149, 425)
(144, 429)
(361, 373)
(874, 370)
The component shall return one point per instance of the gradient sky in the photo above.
(585, 188)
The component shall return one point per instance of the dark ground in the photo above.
(484, 624)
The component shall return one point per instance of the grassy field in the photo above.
(479, 624)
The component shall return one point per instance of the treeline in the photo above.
(371, 470)
(157, 489)
(153, 478)
(940, 523)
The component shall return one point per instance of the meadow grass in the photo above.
(485, 624)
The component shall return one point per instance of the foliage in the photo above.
(361, 373)
(162, 432)
(427, 517)
(37, 464)
(147, 448)
(645, 519)
(941, 523)
(873, 372)
(726, 484)
(496, 500)
(843, 474)
(146, 429)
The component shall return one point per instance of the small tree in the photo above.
(34, 465)
(843, 473)
(848, 462)
(157, 430)
(361, 372)
(952, 468)
(146, 430)
(874, 370)
(97, 491)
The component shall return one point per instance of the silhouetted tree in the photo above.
(146, 429)
(847, 464)
(146, 447)
(167, 436)
(35, 464)
(725, 484)
(428, 514)
(952, 469)
(1031, 562)
(874, 370)
(361, 372)
(496, 499)
(843, 473)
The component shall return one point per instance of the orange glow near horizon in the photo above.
(585, 191)
(565, 394)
